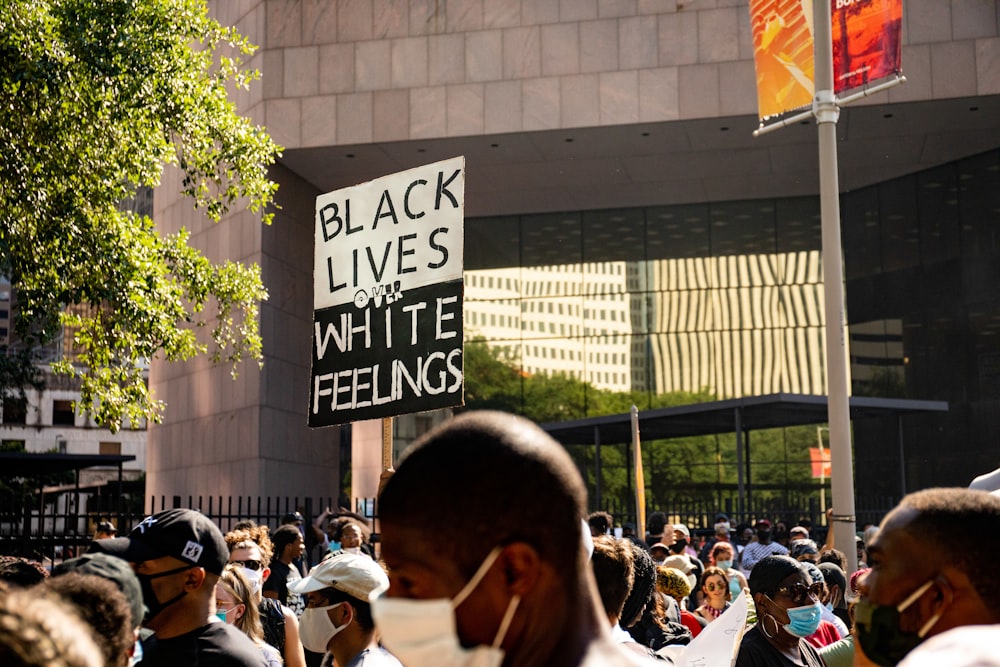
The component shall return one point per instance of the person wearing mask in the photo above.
(913, 592)
(682, 543)
(836, 586)
(178, 556)
(831, 629)
(721, 556)
(250, 550)
(501, 591)
(337, 620)
(788, 610)
(761, 548)
(235, 605)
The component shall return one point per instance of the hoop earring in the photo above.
(763, 628)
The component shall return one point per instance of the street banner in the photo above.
(387, 296)
(783, 54)
(820, 460)
(866, 36)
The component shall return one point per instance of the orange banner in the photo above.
(820, 459)
(783, 54)
(866, 36)
(866, 41)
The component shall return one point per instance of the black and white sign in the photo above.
(387, 296)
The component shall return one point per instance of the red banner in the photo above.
(866, 41)
(820, 459)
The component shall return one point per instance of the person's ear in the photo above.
(836, 595)
(241, 609)
(194, 578)
(265, 573)
(521, 567)
(347, 615)
(938, 599)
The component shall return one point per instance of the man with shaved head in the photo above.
(932, 569)
(483, 533)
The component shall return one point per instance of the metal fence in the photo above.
(51, 529)
(699, 514)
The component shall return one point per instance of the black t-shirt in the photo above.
(756, 651)
(212, 645)
(278, 581)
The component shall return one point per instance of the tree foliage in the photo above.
(98, 96)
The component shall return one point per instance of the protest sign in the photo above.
(387, 296)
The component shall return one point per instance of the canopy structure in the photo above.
(738, 416)
(35, 466)
(24, 464)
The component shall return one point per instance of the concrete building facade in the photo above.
(571, 108)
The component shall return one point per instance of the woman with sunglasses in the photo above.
(788, 609)
(250, 550)
(234, 604)
(715, 592)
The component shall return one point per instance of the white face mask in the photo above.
(255, 577)
(353, 550)
(422, 632)
(316, 629)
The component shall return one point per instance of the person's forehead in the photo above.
(315, 596)
(245, 553)
(222, 594)
(796, 578)
(901, 556)
(412, 555)
(351, 528)
(715, 578)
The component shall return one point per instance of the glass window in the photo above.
(63, 413)
(15, 410)
(861, 233)
(110, 448)
(937, 210)
(897, 202)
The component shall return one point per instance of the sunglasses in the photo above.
(712, 587)
(801, 595)
(248, 564)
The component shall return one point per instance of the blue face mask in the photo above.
(724, 564)
(803, 621)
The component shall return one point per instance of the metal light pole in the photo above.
(838, 371)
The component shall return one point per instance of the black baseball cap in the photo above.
(108, 567)
(185, 534)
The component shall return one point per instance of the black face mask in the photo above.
(153, 604)
(764, 535)
(678, 546)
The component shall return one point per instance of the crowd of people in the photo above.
(517, 574)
